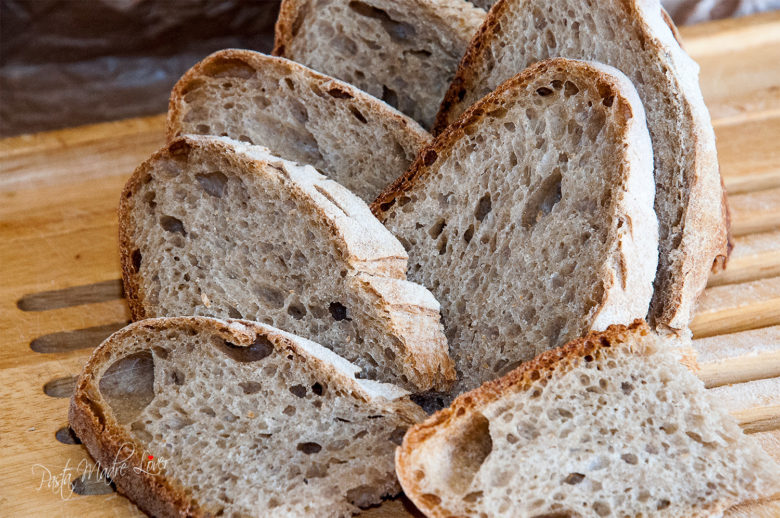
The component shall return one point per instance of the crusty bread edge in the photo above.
(410, 129)
(619, 303)
(709, 244)
(360, 250)
(521, 379)
(283, 29)
(155, 493)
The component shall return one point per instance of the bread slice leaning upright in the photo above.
(234, 418)
(638, 38)
(299, 114)
(402, 51)
(210, 226)
(608, 425)
(531, 218)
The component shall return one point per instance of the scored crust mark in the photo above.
(460, 461)
(404, 53)
(299, 114)
(691, 203)
(469, 236)
(248, 258)
(160, 418)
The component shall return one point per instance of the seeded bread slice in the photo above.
(531, 218)
(638, 38)
(608, 425)
(404, 52)
(210, 226)
(298, 114)
(235, 418)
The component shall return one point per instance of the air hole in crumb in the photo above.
(574, 478)
(626, 387)
(171, 224)
(663, 504)
(296, 310)
(309, 447)
(484, 206)
(298, 390)
(317, 388)
(213, 183)
(338, 93)
(544, 91)
(136, 260)
(338, 311)
(430, 157)
(128, 385)
(258, 350)
(202, 129)
(250, 387)
(244, 138)
(471, 438)
(543, 199)
(468, 234)
(607, 101)
(570, 89)
(359, 116)
(437, 228)
(629, 458)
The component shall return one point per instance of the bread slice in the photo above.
(609, 425)
(234, 418)
(298, 114)
(638, 38)
(531, 218)
(404, 52)
(210, 226)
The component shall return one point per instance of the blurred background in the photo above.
(70, 62)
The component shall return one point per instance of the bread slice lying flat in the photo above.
(531, 218)
(211, 226)
(638, 38)
(298, 114)
(404, 51)
(234, 418)
(608, 425)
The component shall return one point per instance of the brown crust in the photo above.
(288, 12)
(262, 62)
(707, 243)
(103, 436)
(521, 379)
(473, 115)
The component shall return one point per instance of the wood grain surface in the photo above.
(60, 293)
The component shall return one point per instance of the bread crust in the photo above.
(154, 493)
(427, 362)
(705, 243)
(622, 297)
(414, 135)
(519, 380)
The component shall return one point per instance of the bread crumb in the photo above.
(205, 299)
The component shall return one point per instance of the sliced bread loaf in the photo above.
(211, 226)
(298, 114)
(638, 38)
(531, 218)
(404, 52)
(608, 425)
(234, 418)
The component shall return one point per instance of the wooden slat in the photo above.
(748, 154)
(755, 212)
(755, 404)
(739, 77)
(755, 256)
(737, 307)
(738, 357)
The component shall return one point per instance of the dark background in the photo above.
(70, 62)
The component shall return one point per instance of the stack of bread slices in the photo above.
(310, 272)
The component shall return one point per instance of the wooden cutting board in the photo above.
(60, 293)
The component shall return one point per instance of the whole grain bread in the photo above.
(298, 114)
(531, 217)
(234, 418)
(404, 52)
(638, 38)
(608, 425)
(211, 226)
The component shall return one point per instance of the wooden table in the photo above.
(60, 293)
